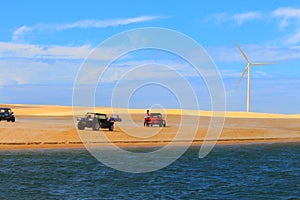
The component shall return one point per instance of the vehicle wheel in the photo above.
(96, 126)
(160, 124)
(165, 124)
(13, 119)
(80, 127)
(8, 120)
(111, 128)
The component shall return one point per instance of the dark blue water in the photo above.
(269, 171)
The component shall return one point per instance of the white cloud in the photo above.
(289, 20)
(293, 38)
(83, 24)
(39, 51)
(241, 18)
(237, 18)
(36, 64)
(287, 14)
(27, 71)
(20, 31)
(255, 53)
(104, 23)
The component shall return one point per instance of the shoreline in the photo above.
(142, 144)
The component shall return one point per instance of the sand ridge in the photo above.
(55, 110)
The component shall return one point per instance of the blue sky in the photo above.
(44, 43)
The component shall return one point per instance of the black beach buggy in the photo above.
(95, 121)
(7, 114)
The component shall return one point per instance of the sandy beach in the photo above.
(44, 126)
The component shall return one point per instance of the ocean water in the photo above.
(256, 171)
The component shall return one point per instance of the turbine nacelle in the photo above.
(249, 64)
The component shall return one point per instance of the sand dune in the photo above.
(54, 110)
(44, 126)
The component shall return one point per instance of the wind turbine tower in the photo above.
(248, 68)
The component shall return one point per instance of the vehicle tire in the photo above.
(165, 124)
(96, 126)
(111, 128)
(80, 127)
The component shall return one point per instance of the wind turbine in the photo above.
(248, 67)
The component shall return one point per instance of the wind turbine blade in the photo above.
(238, 46)
(243, 74)
(264, 63)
